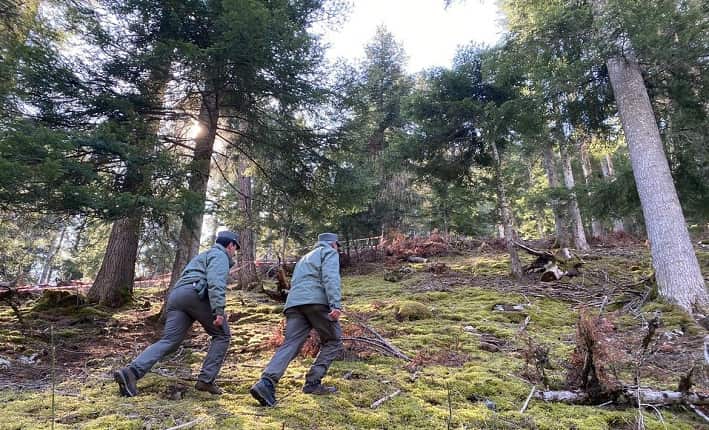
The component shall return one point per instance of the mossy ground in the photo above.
(447, 388)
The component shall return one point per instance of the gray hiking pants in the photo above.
(299, 321)
(184, 307)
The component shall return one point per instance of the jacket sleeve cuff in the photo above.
(218, 311)
(334, 306)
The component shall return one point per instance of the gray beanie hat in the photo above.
(327, 237)
(229, 235)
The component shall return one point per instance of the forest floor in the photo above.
(473, 364)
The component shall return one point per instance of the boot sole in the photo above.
(212, 392)
(122, 384)
(261, 399)
(320, 393)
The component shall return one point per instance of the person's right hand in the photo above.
(334, 314)
(218, 320)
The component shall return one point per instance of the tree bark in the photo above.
(596, 226)
(578, 235)
(248, 276)
(192, 217)
(113, 286)
(506, 214)
(562, 236)
(679, 278)
(47, 269)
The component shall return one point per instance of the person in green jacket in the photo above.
(199, 294)
(314, 301)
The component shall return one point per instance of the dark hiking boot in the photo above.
(209, 388)
(318, 389)
(264, 392)
(127, 382)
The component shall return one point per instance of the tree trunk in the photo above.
(192, 217)
(506, 214)
(679, 278)
(248, 276)
(562, 236)
(500, 228)
(539, 221)
(609, 175)
(125, 232)
(47, 269)
(113, 286)
(596, 227)
(577, 232)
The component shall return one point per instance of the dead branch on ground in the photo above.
(379, 402)
(629, 395)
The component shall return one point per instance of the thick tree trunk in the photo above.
(679, 278)
(192, 218)
(506, 214)
(596, 227)
(560, 230)
(248, 276)
(579, 236)
(113, 286)
(47, 269)
(125, 233)
(609, 175)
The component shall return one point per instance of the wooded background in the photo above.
(124, 122)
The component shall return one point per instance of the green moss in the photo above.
(411, 311)
(672, 317)
(424, 400)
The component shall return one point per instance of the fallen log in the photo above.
(647, 396)
(548, 264)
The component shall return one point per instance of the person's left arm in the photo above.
(331, 281)
(217, 271)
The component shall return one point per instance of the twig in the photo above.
(54, 379)
(378, 403)
(526, 402)
(525, 323)
(375, 344)
(659, 414)
(603, 305)
(381, 338)
(450, 407)
(698, 412)
(187, 424)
